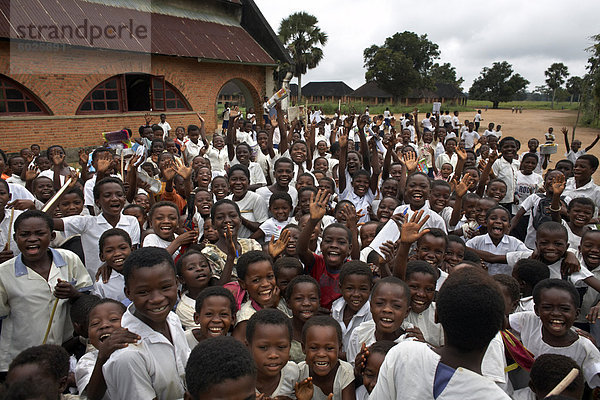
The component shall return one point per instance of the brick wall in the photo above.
(198, 82)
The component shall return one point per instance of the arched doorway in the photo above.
(237, 92)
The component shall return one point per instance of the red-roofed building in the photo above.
(71, 69)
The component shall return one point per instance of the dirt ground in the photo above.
(534, 124)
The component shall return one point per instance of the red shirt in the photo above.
(329, 283)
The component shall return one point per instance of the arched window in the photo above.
(17, 99)
(133, 92)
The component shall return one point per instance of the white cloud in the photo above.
(530, 35)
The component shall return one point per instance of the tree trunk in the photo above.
(299, 88)
(495, 104)
(553, 94)
(571, 100)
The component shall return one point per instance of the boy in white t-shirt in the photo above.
(470, 136)
(164, 125)
(574, 151)
(528, 182)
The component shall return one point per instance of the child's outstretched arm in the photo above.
(230, 139)
(276, 247)
(389, 153)
(318, 207)
(460, 164)
(564, 130)
(283, 138)
(373, 184)
(131, 179)
(352, 224)
(343, 141)
(230, 260)
(558, 187)
(460, 190)
(486, 173)
(364, 148)
(593, 143)
(410, 233)
(202, 130)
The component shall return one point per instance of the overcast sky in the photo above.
(530, 35)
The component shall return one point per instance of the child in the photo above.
(496, 240)
(421, 279)
(138, 212)
(268, 336)
(256, 277)
(154, 368)
(573, 151)
(286, 268)
(45, 366)
(194, 276)
(353, 308)
(374, 355)
(528, 181)
(31, 283)
(164, 217)
(280, 207)
(115, 247)
(390, 304)
(528, 273)
(109, 195)
(106, 335)
(413, 370)
(302, 296)
(214, 316)
(506, 168)
(580, 211)
(582, 183)
(321, 341)
(589, 256)
(548, 330)
(8, 245)
(416, 195)
(455, 252)
(220, 368)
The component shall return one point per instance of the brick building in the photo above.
(75, 68)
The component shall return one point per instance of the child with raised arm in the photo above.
(34, 283)
(574, 150)
(336, 247)
(412, 370)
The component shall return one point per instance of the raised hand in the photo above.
(147, 118)
(188, 237)
(360, 361)
(318, 205)
(349, 121)
(411, 229)
(411, 162)
(461, 153)
(558, 184)
(131, 166)
(276, 247)
(493, 156)
(304, 390)
(31, 173)
(343, 139)
(82, 157)
(57, 159)
(231, 249)
(200, 118)
(564, 130)
(182, 170)
(104, 164)
(388, 249)
(462, 187)
(169, 171)
(118, 339)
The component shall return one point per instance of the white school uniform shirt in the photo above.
(272, 227)
(166, 128)
(589, 190)
(582, 351)
(360, 203)
(365, 333)
(408, 373)
(91, 228)
(83, 372)
(152, 368)
(576, 278)
(362, 315)
(434, 221)
(113, 289)
(507, 172)
(218, 158)
(257, 175)
(191, 150)
(445, 158)
(5, 227)
(153, 240)
(267, 164)
(439, 150)
(469, 138)
(289, 375)
(245, 137)
(344, 376)
(266, 193)
(494, 363)
(27, 299)
(253, 208)
(526, 186)
(425, 321)
(573, 156)
(185, 311)
(526, 304)
(19, 192)
(16, 179)
(507, 244)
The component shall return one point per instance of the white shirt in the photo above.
(166, 128)
(16, 179)
(191, 150)
(408, 373)
(253, 208)
(272, 228)
(530, 205)
(152, 368)
(27, 299)
(469, 138)
(576, 278)
(19, 192)
(444, 158)
(425, 321)
(4, 228)
(573, 156)
(287, 380)
(526, 186)
(494, 363)
(582, 351)
(266, 193)
(589, 190)
(186, 308)
(91, 228)
(360, 203)
(113, 289)
(218, 158)
(365, 333)
(362, 315)
(344, 376)
(507, 244)
(153, 240)
(434, 221)
(83, 372)
(507, 172)
(477, 118)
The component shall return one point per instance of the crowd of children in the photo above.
(348, 257)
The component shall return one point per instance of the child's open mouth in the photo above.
(102, 338)
(356, 302)
(118, 261)
(306, 314)
(497, 230)
(557, 325)
(265, 294)
(386, 322)
(32, 248)
(216, 330)
(159, 309)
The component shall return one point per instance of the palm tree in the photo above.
(555, 77)
(301, 35)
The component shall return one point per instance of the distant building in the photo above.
(326, 91)
(74, 68)
(373, 94)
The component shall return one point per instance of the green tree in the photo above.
(402, 63)
(574, 87)
(497, 84)
(302, 37)
(555, 77)
(445, 73)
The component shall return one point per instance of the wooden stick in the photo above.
(122, 166)
(56, 195)
(10, 226)
(562, 385)
(50, 322)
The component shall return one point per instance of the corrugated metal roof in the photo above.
(168, 35)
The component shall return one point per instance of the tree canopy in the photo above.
(405, 61)
(498, 83)
(302, 36)
(555, 77)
